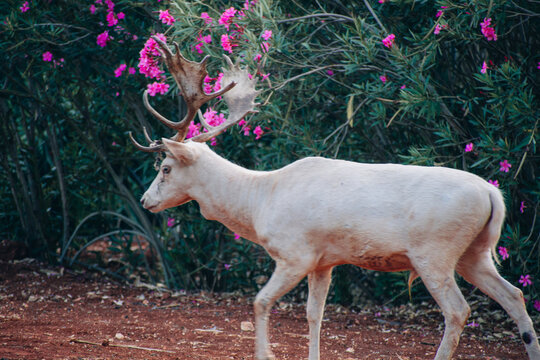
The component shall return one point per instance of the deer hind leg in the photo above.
(318, 282)
(285, 277)
(479, 270)
(442, 286)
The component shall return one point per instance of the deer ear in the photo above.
(179, 150)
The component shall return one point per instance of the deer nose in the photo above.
(142, 201)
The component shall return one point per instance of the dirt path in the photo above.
(46, 313)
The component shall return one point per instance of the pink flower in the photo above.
(170, 222)
(484, 68)
(92, 9)
(267, 35)
(494, 182)
(103, 38)
(245, 128)
(121, 16)
(403, 87)
(227, 266)
(165, 17)
(236, 236)
(329, 72)
(110, 5)
(207, 19)
(439, 13)
(487, 30)
(469, 147)
(538, 67)
(537, 305)
(473, 324)
(111, 18)
(119, 70)
(227, 16)
(148, 65)
(525, 280)
(132, 71)
(503, 252)
(217, 84)
(389, 40)
(522, 207)
(505, 166)
(257, 57)
(383, 78)
(437, 29)
(24, 7)
(258, 132)
(265, 46)
(193, 130)
(226, 43)
(47, 56)
(157, 87)
(265, 76)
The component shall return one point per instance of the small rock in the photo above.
(350, 350)
(32, 298)
(247, 326)
(119, 336)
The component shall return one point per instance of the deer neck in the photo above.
(230, 194)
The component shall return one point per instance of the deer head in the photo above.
(171, 185)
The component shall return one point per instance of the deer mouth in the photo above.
(152, 208)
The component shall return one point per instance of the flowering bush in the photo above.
(440, 84)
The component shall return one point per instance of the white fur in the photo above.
(317, 213)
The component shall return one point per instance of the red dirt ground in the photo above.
(49, 313)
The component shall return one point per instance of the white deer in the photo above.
(316, 213)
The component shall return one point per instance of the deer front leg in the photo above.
(318, 283)
(286, 276)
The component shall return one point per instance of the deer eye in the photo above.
(166, 169)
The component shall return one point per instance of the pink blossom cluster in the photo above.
(48, 57)
(207, 19)
(212, 84)
(245, 128)
(24, 7)
(248, 4)
(503, 252)
(234, 32)
(484, 68)
(227, 43)
(207, 39)
(212, 118)
(389, 40)
(103, 38)
(120, 69)
(487, 30)
(438, 28)
(148, 64)
(166, 18)
(157, 87)
(440, 12)
(226, 17)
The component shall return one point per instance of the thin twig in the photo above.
(375, 16)
(106, 343)
(338, 16)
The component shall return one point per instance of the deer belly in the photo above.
(393, 262)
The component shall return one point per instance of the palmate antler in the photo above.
(239, 94)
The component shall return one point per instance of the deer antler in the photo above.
(239, 100)
(239, 94)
